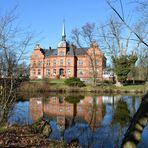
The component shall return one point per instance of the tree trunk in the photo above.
(118, 84)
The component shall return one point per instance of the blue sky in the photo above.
(45, 17)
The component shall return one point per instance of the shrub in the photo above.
(74, 82)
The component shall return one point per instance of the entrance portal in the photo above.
(61, 71)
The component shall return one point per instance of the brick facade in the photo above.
(66, 61)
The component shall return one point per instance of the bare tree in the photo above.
(13, 44)
(121, 17)
(139, 29)
(86, 36)
(118, 46)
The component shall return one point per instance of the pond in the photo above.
(95, 121)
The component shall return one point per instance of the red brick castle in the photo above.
(66, 61)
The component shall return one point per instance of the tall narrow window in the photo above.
(34, 72)
(54, 71)
(69, 72)
(68, 62)
(34, 64)
(39, 63)
(61, 61)
(39, 71)
(47, 72)
(54, 61)
(48, 63)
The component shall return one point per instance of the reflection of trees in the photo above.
(121, 116)
(74, 100)
(92, 121)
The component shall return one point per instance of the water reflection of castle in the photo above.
(88, 110)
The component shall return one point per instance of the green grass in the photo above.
(51, 81)
(56, 81)
(129, 87)
(53, 85)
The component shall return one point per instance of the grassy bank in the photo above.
(59, 86)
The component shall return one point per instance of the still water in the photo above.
(95, 121)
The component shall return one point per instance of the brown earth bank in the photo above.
(42, 86)
(35, 135)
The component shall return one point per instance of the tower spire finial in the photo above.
(63, 31)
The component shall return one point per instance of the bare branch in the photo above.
(122, 19)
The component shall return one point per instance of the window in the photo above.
(36, 56)
(97, 62)
(54, 71)
(34, 63)
(39, 63)
(61, 53)
(48, 63)
(47, 72)
(68, 62)
(93, 52)
(39, 72)
(69, 72)
(80, 62)
(34, 72)
(80, 72)
(61, 61)
(54, 61)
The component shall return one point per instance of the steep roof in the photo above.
(81, 51)
(50, 52)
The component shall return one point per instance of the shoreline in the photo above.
(45, 87)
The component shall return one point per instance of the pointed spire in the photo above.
(63, 32)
